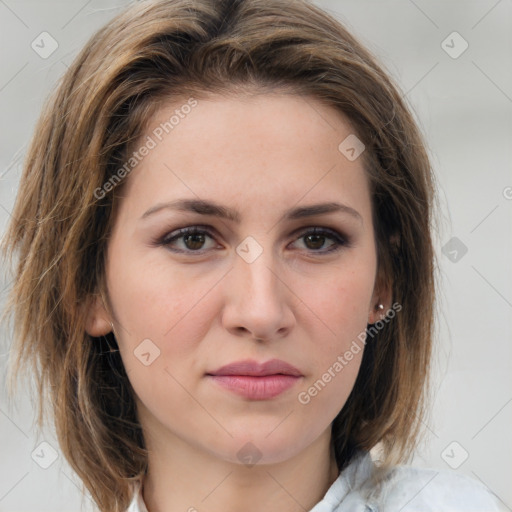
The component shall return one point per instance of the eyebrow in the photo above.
(204, 207)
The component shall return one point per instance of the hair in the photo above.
(161, 50)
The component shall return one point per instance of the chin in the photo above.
(261, 448)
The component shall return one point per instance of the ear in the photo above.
(382, 295)
(383, 288)
(97, 320)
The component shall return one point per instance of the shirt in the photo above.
(404, 489)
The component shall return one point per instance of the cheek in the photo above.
(343, 303)
(159, 311)
(336, 355)
(164, 322)
(337, 338)
(151, 294)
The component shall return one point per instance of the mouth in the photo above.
(264, 387)
(256, 381)
(249, 367)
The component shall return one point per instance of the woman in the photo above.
(225, 275)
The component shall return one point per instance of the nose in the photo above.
(258, 301)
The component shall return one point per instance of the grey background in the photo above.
(464, 107)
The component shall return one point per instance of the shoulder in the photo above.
(410, 489)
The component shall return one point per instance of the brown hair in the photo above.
(164, 49)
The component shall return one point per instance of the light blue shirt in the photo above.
(404, 489)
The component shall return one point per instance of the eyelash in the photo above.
(167, 239)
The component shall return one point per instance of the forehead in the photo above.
(248, 149)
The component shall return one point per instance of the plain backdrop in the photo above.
(452, 60)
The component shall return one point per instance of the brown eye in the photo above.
(193, 239)
(315, 239)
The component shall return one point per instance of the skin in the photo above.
(261, 155)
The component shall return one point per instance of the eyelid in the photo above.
(340, 238)
(179, 232)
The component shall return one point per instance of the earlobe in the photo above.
(380, 303)
(376, 313)
(98, 321)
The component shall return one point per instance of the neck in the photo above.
(185, 478)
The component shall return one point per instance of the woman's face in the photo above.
(252, 284)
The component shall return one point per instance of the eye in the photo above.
(193, 239)
(315, 239)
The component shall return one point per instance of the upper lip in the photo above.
(253, 368)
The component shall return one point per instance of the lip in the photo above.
(249, 367)
(256, 381)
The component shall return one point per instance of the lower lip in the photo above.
(256, 388)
